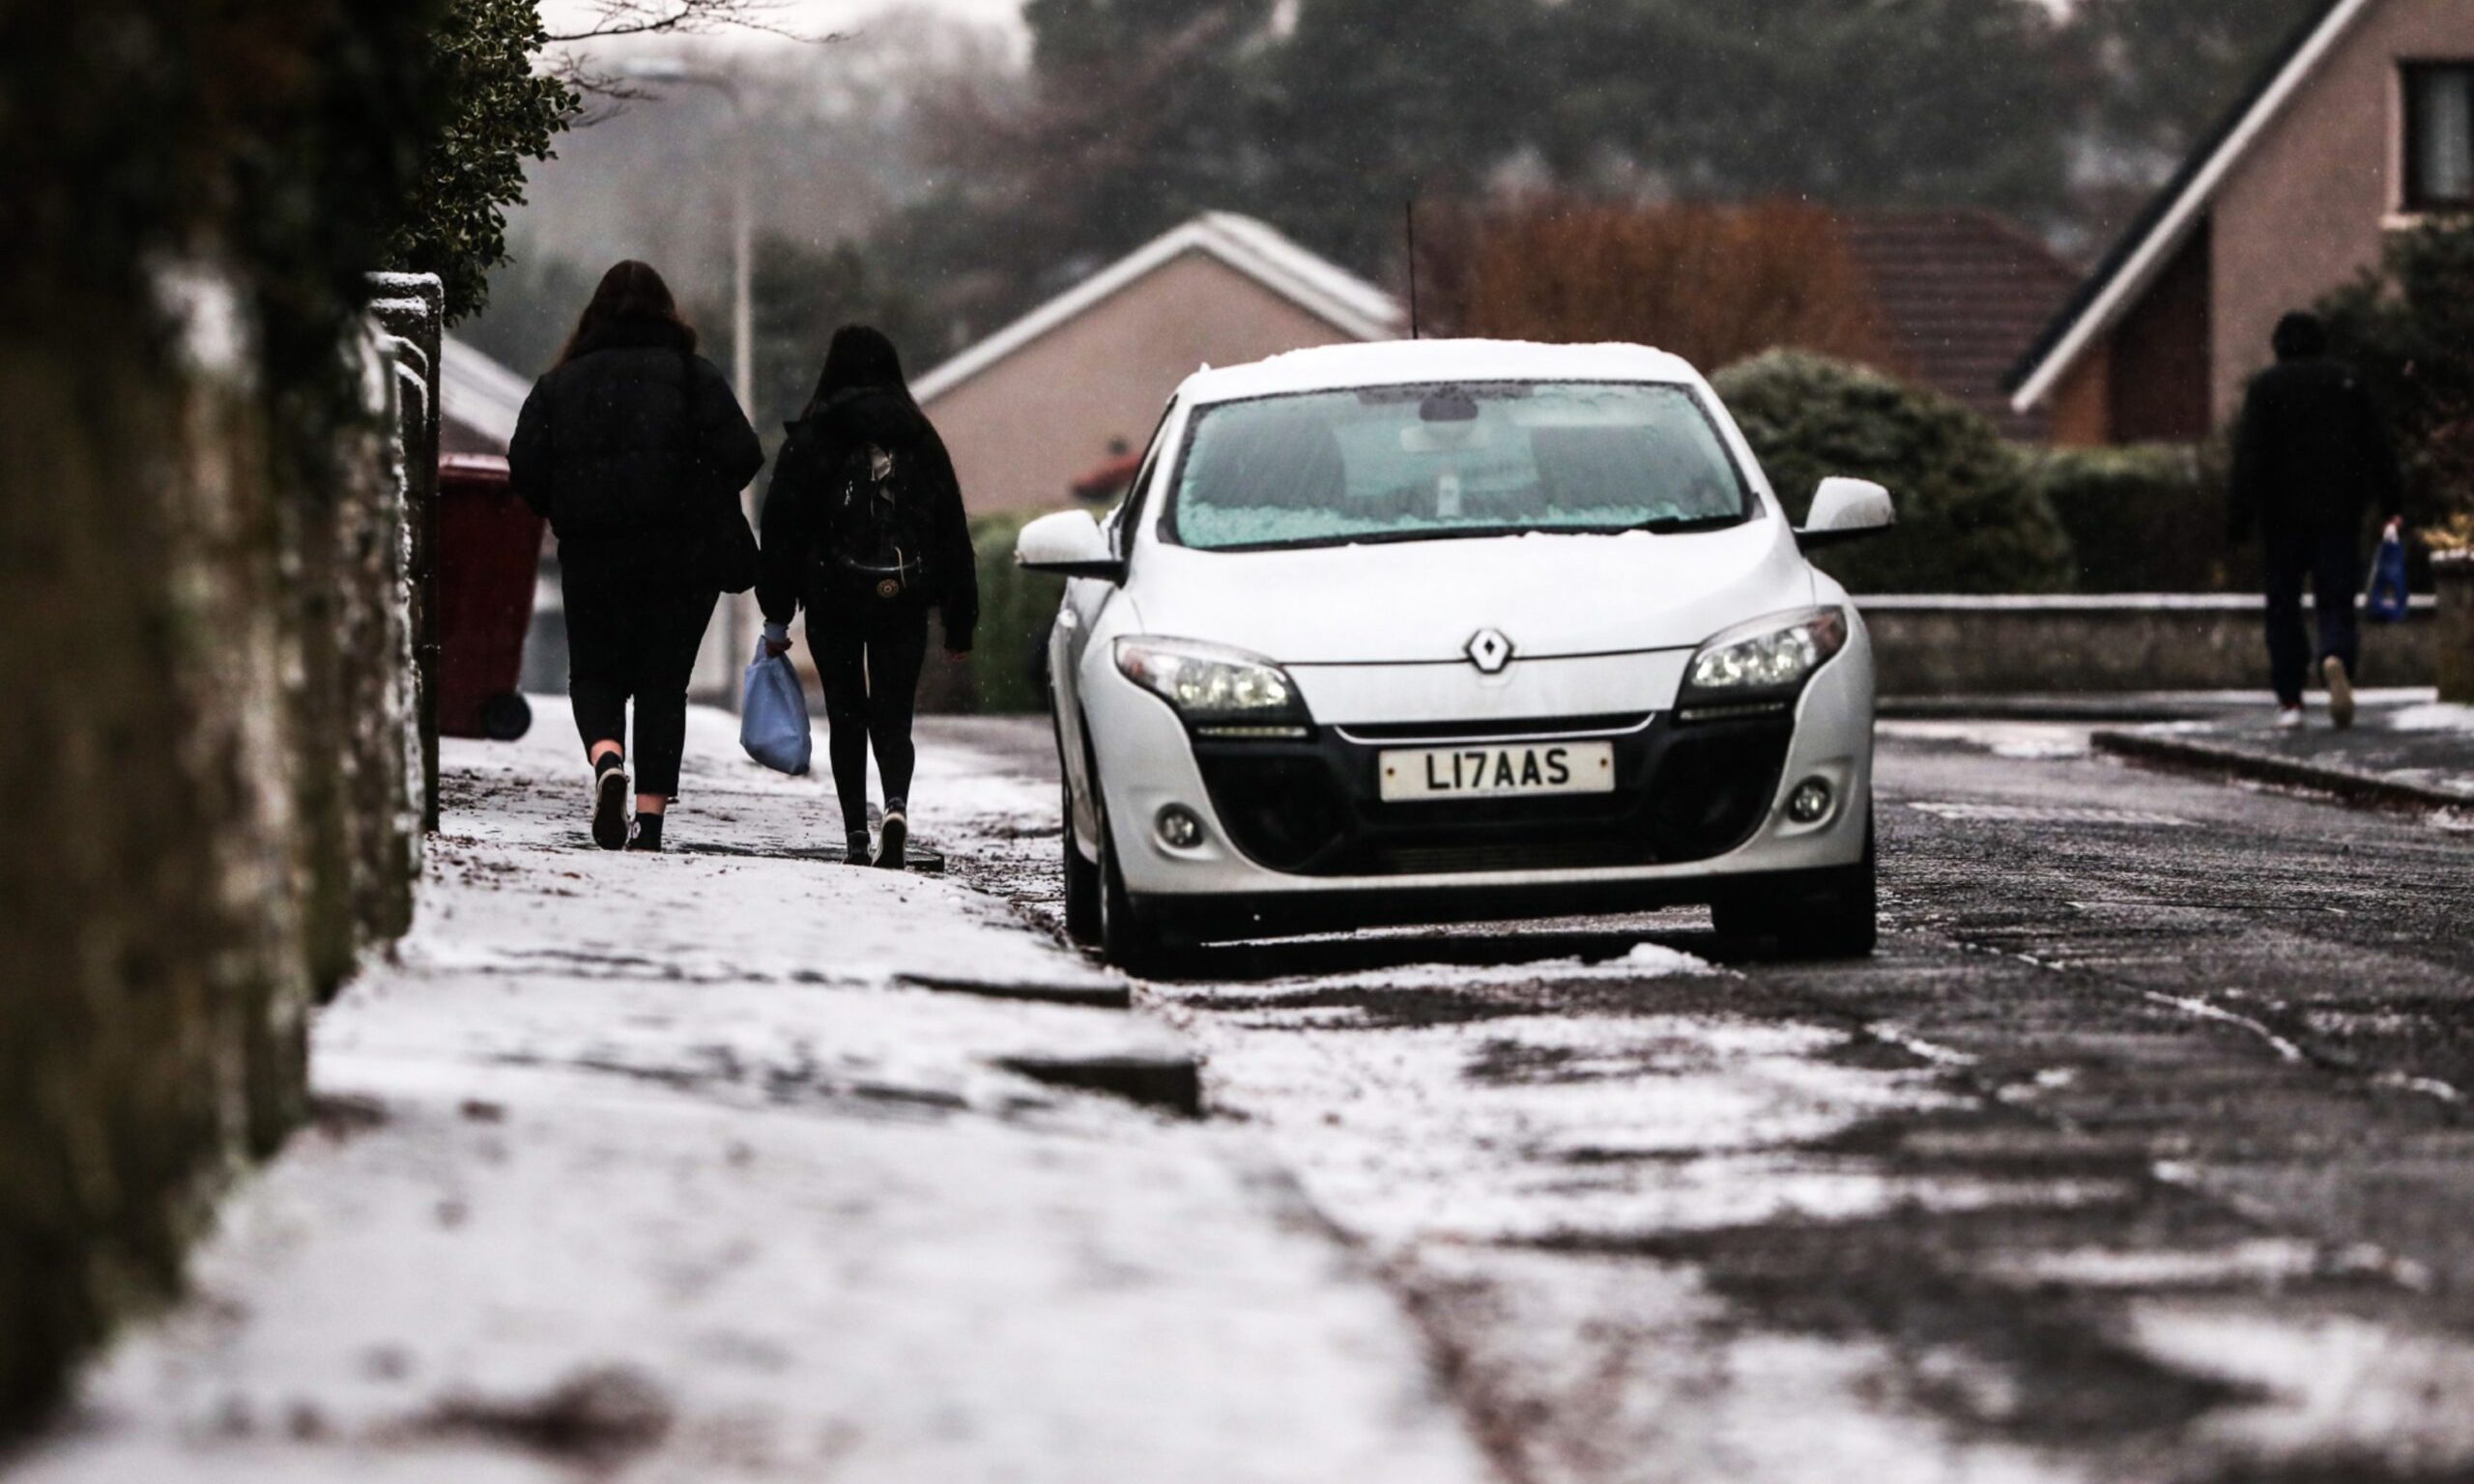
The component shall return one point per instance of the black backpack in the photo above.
(873, 527)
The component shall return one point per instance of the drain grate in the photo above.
(2058, 814)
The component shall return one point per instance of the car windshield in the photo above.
(1432, 462)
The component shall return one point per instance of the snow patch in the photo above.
(2439, 716)
(213, 329)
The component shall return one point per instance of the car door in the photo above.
(1076, 618)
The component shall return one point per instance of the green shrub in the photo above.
(1969, 518)
(2146, 519)
(1015, 610)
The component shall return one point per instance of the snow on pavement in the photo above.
(662, 1169)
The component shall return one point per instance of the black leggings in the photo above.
(868, 653)
(630, 641)
(2330, 556)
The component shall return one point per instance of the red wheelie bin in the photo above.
(489, 557)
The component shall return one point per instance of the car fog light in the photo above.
(1809, 804)
(1179, 829)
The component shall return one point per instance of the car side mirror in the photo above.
(1068, 544)
(1846, 510)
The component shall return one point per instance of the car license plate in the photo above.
(1494, 772)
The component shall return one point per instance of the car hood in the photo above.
(1415, 602)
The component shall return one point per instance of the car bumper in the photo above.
(1697, 807)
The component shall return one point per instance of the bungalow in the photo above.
(1033, 411)
(2364, 124)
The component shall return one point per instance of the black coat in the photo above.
(2311, 452)
(806, 478)
(631, 450)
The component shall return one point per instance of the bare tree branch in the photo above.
(685, 18)
(604, 93)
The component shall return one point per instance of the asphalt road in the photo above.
(2140, 1152)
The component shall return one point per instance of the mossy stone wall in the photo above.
(203, 646)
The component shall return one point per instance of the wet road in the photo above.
(2140, 1152)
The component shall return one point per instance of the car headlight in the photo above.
(1220, 692)
(1760, 667)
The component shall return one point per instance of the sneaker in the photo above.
(609, 794)
(858, 853)
(897, 834)
(2288, 717)
(648, 836)
(2341, 692)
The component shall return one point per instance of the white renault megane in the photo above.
(1458, 631)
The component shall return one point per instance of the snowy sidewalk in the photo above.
(2405, 750)
(677, 1168)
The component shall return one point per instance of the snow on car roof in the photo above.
(1393, 362)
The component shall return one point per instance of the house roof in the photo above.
(1961, 292)
(2150, 244)
(477, 391)
(1322, 288)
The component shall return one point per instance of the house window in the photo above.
(2439, 136)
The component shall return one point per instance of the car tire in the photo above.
(1082, 884)
(1820, 914)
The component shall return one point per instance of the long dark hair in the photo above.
(631, 292)
(860, 356)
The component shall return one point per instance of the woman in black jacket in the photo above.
(635, 451)
(864, 523)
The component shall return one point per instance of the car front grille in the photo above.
(1315, 806)
(1405, 734)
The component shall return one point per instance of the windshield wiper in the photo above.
(1687, 525)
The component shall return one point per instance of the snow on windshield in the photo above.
(1402, 463)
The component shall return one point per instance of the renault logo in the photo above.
(1489, 651)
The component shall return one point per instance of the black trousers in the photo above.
(2329, 555)
(634, 638)
(868, 652)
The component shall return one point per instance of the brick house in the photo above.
(1044, 404)
(2364, 124)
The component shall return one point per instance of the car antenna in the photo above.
(1410, 212)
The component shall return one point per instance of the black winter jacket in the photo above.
(631, 449)
(806, 478)
(2311, 452)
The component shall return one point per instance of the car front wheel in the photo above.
(1082, 884)
(1818, 914)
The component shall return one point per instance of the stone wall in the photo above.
(204, 633)
(1928, 647)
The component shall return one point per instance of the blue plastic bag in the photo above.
(773, 715)
(2387, 601)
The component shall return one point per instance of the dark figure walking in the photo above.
(864, 525)
(2309, 459)
(633, 448)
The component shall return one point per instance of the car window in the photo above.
(1127, 517)
(1432, 462)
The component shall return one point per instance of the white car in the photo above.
(1457, 631)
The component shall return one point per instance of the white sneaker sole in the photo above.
(2341, 691)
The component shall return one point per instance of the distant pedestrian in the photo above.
(633, 446)
(864, 526)
(2309, 459)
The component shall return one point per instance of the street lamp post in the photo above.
(714, 670)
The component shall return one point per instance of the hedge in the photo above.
(1971, 520)
(2146, 519)
(1015, 610)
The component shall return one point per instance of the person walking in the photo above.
(2310, 457)
(635, 451)
(863, 524)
